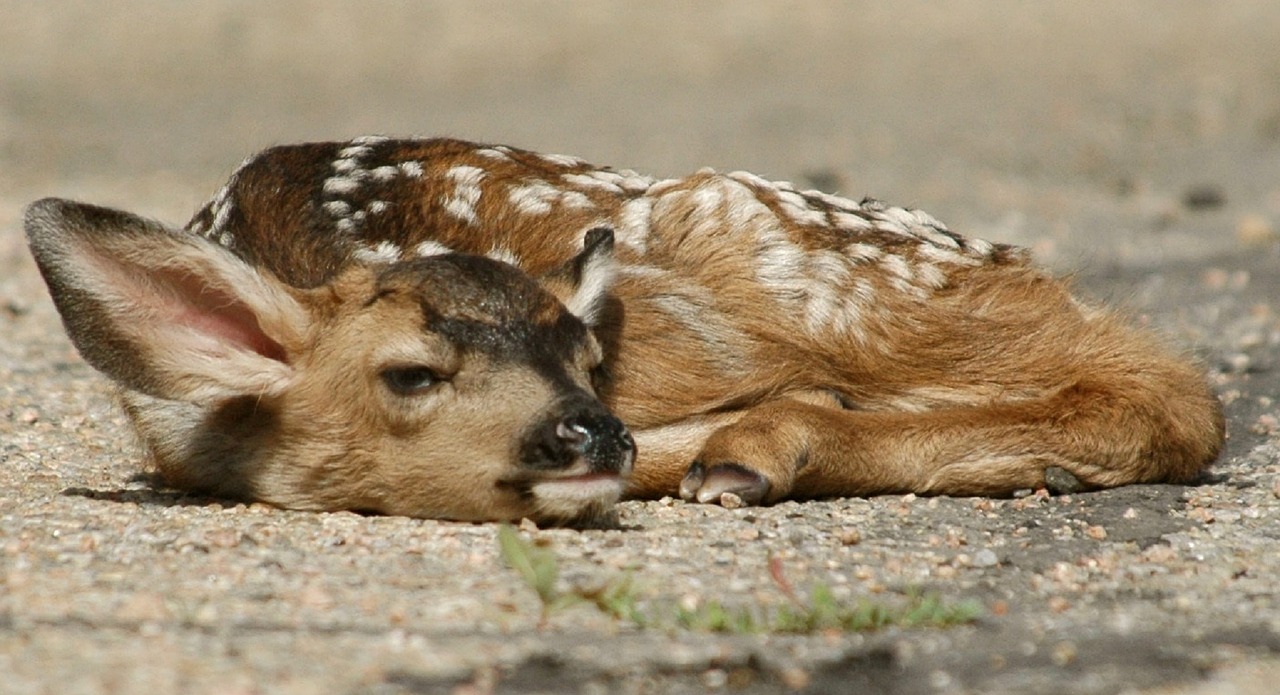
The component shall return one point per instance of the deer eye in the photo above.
(599, 376)
(410, 381)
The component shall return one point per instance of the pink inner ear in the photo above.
(217, 313)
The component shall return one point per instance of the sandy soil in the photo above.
(1138, 144)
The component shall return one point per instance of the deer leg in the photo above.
(663, 454)
(1104, 435)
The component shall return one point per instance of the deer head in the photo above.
(451, 386)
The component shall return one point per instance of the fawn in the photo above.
(444, 329)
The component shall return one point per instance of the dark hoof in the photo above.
(712, 485)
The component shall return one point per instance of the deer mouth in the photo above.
(586, 486)
(578, 500)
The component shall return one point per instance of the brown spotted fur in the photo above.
(788, 344)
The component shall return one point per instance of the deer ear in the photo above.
(583, 283)
(161, 311)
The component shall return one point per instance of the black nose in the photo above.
(589, 434)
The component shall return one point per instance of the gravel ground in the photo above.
(1138, 144)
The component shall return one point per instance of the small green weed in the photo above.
(820, 611)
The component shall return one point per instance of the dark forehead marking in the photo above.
(489, 307)
(540, 345)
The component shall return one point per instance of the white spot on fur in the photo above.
(462, 203)
(850, 222)
(892, 220)
(377, 207)
(938, 254)
(503, 254)
(411, 169)
(742, 207)
(354, 152)
(340, 185)
(344, 166)
(902, 276)
(798, 209)
(829, 268)
(632, 225)
(897, 266)
(831, 305)
(369, 140)
(383, 252)
(931, 276)
(634, 183)
(493, 153)
(781, 264)
(863, 252)
(707, 199)
(982, 247)
(465, 175)
(563, 160)
(534, 197)
(664, 186)
(927, 220)
(936, 238)
(589, 181)
(337, 208)
(384, 174)
(576, 200)
(754, 180)
(431, 248)
(606, 176)
(835, 201)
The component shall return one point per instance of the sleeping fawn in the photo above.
(443, 329)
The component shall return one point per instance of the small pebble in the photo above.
(17, 307)
(985, 558)
(729, 500)
(1061, 481)
(1204, 197)
(794, 678)
(1064, 653)
(715, 678)
(1255, 230)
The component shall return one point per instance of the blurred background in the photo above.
(1140, 132)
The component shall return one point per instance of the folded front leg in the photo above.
(1102, 433)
